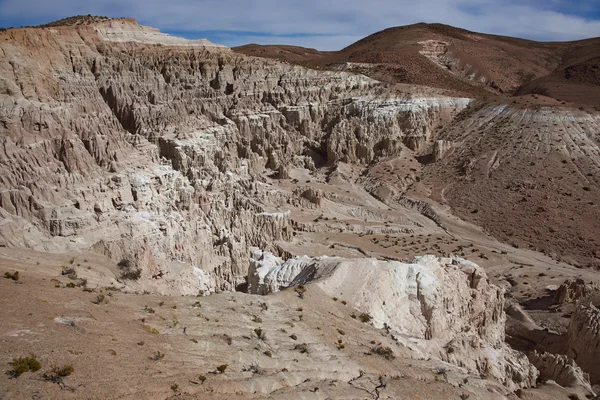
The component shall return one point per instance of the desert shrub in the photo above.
(303, 348)
(150, 329)
(14, 276)
(260, 333)
(294, 337)
(157, 356)
(56, 374)
(175, 387)
(300, 289)
(221, 368)
(99, 299)
(132, 275)
(128, 271)
(587, 188)
(201, 378)
(364, 317)
(22, 365)
(257, 319)
(384, 352)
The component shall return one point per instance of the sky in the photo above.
(322, 24)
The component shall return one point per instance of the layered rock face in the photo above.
(433, 304)
(583, 339)
(560, 369)
(153, 149)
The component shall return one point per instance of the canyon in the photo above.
(406, 235)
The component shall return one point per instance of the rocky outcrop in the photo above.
(432, 304)
(561, 369)
(573, 290)
(150, 148)
(583, 339)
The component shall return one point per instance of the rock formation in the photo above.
(151, 148)
(437, 306)
(573, 290)
(583, 339)
(560, 369)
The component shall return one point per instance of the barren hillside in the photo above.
(468, 63)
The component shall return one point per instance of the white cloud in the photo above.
(342, 21)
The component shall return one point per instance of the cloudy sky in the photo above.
(322, 24)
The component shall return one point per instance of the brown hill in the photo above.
(466, 62)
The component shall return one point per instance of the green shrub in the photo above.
(24, 364)
(57, 374)
(150, 329)
(222, 368)
(14, 276)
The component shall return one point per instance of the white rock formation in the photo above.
(433, 304)
(125, 30)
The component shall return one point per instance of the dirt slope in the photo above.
(452, 58)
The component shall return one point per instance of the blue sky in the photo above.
(322, 24)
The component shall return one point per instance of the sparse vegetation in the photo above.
(56, 374)
(14, 276)
(303, 348)
(385, 352)
(221, 368)
(157, 356)
(150, 329)
(100, 299)
(22, 365)
(364, 317)
(260, 333)
(300, 289)
(202, 379)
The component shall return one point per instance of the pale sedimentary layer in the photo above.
(433, 305)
